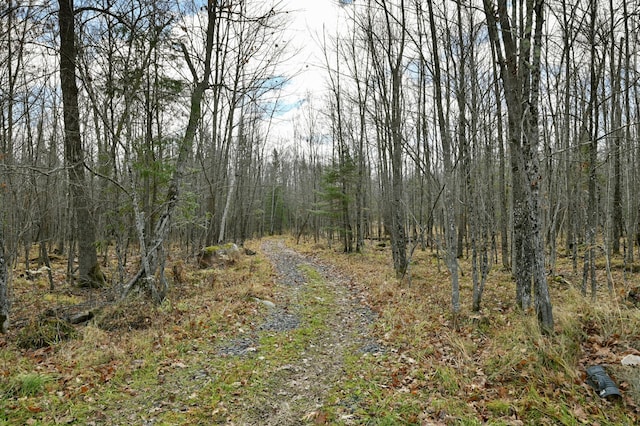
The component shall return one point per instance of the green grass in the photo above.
(497, 364)
(496, 368)
(499, 407)
(30, 384)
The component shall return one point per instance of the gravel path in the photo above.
(300, 387)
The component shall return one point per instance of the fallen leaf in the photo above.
(321, 418)
(309, 416)
(579, 413)
(66, 420)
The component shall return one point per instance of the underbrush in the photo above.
(496, 367)
(133, 361)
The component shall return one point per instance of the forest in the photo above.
(498, 137)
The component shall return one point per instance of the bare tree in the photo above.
(518, 51)
(589, 138)
(89, 268)
(4, 284)
(447, 160)
(386, 37)
(616, 225)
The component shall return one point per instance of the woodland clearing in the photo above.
(303, 334)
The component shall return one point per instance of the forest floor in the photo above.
(303, 334)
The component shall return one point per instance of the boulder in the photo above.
(218, 256)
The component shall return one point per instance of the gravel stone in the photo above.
(300, 387)
(240, 346)
(280, 321)
(370, 346)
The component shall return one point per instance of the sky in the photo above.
(304, 66)
(308, 76)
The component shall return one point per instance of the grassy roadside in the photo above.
(497, 368)
(163, 364)
(157, 363)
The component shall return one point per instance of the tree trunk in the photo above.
(398, 237)
(616, 225)
(398, 234)
(449, 197)
(89, 268)
(502, 187)
(152, 269)
(227, 204)
(542, 300)
(589, 136)
(4, 283)
(518, 52)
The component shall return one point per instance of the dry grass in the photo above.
(115, 363)
(495, 368)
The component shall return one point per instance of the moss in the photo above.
(210, 249)
(95, 278)
(62, 299)
(213, 249)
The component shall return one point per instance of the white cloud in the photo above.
(312, 23)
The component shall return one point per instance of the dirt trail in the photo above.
(296, 391)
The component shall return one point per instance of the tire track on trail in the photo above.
(331, 310)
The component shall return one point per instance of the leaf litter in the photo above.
(331, 346)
